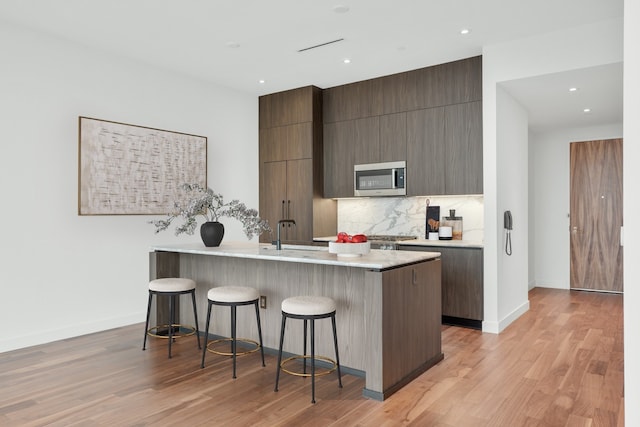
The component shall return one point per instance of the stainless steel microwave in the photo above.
(380, 179)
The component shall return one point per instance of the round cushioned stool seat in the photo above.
(172, 284)
(308, 305)
(232, 294)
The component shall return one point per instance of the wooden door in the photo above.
(596, 215)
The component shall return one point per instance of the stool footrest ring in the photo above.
(324, 371)
(162, 331)
(211, 344)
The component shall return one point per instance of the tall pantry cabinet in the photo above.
(291, 166)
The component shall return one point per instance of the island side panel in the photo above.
(411, 332)
(373, 335)
(277, 281)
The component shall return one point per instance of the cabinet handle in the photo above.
(282, 217)
(414, 276)
(289, 211)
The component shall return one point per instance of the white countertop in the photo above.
(422, 242)
(443, 243)
(374, 260)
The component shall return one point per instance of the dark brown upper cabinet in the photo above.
(339, 158)
(430, 117)
(352, 101)
(290, 107)
(463, 142)
(444, 150)
(286, 142)
(426, 152)
(393, 137)
(291, 166)
(445, 84)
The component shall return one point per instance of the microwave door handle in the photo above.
(394, 174)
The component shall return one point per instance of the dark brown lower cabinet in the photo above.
(462, 284)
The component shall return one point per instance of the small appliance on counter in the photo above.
(455, 222)
(433, 222)
(444, 232)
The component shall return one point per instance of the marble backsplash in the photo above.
(407, 215)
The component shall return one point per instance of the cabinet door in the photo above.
(273, 195)
(426, 152)
(393, 137)
(462, 283)
(285, 108)
(366, 141)
(300, 200)
(462, 280)
(463, 171)
(353, 101)
(339, 157)
(286, 142)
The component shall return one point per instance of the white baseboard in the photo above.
(499, 326)
(51, 335)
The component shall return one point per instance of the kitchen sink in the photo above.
(307, 248)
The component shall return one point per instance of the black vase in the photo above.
(212, 233)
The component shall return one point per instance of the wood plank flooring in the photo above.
(560, 364)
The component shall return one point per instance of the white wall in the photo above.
(551, 203)
(64, 275)
(513, 190)
(575, 48)
(631, 149)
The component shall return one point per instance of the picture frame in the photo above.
(126, 169)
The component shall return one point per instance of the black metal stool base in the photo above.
(309, 320)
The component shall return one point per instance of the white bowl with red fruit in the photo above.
(347, 245)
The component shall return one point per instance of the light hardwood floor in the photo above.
(560, 364)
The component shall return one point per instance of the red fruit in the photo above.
(359, 238)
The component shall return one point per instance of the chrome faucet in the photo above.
(280, 224)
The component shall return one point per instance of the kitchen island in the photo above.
(388, 302)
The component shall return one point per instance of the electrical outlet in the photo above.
(263, 301)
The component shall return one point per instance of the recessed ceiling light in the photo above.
(465, 31)
(587, 110)
(261, 81)
(233, 45)
(573, 89)
(341, 8)
(346, 60)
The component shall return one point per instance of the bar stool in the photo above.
(308, 308)
(232, 296)
(171, 287)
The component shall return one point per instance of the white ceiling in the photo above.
(195, 38)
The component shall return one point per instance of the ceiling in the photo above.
(238, 43)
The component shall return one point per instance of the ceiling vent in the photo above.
(320, 45)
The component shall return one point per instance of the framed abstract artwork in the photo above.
(125, 169)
